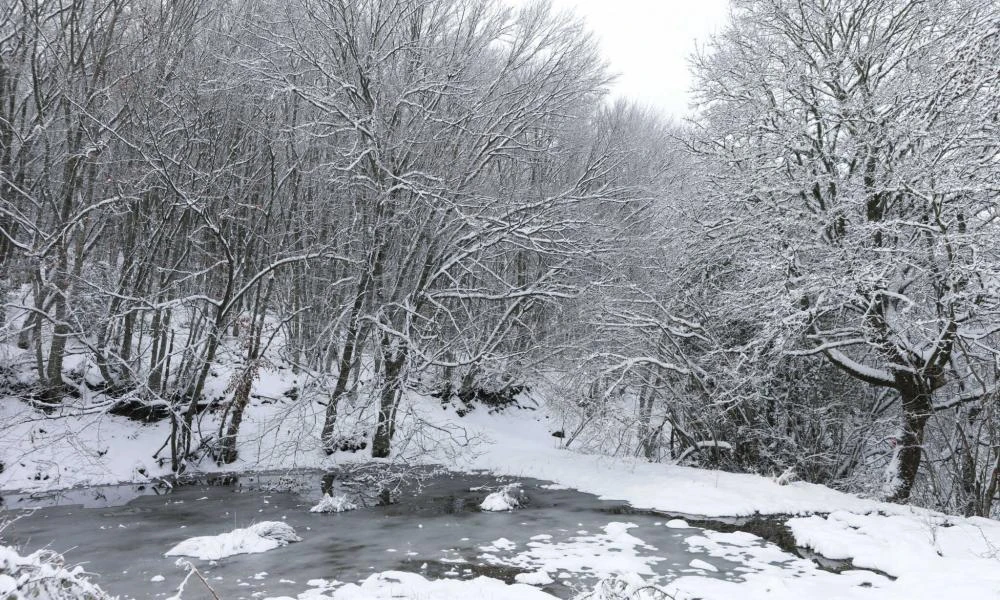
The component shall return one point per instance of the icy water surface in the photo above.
(122, 532)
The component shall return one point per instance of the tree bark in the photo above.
(343, 375)
(391, 392)
(916, 406)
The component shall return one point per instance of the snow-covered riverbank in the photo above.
(916, 553)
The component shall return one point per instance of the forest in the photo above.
(443, 198)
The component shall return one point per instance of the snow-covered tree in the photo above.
(853, 149)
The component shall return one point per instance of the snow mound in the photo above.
(333, 504)
(506, 499)
(43, 576)
(260, 537)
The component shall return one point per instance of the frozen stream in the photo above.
(122, 532)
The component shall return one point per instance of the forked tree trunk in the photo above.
(343, 377)
(241, 391)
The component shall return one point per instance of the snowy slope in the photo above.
(523, 446)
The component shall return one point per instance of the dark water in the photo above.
(121, 533)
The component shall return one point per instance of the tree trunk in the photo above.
(391, 392)
(243, 387)
(916, 405)
(991, 488)
(241, 397)
(646, 445)
(969, 489)
(158, 335)
(343, 377)
(55, 386)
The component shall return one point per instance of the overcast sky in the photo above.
(648, 43)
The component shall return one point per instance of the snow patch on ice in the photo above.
(749, 550)
(397, 585)
(601, 555)
(539, 577)
(499, 545)
(704, 566)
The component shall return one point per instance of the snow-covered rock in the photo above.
(333, 504)
(506, 499)
(43, 576)
(260, 537)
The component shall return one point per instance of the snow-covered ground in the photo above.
(929, 555)
(916, 553)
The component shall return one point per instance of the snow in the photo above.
(334, 504)
(505, 499)
(523, 448)
(398, 585)
(748, 550)
(603, 554)
(961, 553)
(930, 555)
(259, 537)
(704, 566)
(539, 577)
(627, 586)
(499, 545)
(769, 572)
(43, 575)
(43, 453)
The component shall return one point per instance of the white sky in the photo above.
(648, 43)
